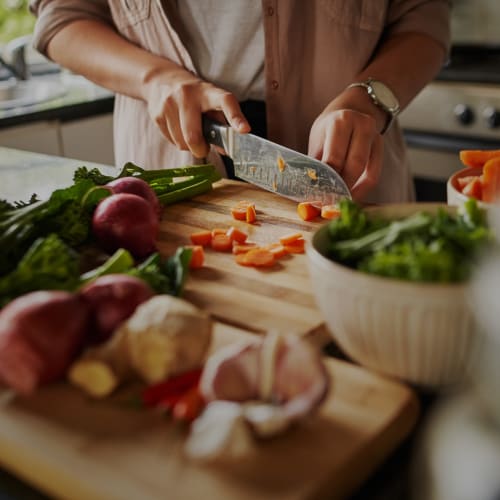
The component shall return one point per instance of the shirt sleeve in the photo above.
(428, 17)
(53, 15)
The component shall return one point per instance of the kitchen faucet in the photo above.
(14, 52)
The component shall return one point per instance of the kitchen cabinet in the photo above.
(88, 139)
(40, 137)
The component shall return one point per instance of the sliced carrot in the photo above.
(285, 240)
(251, 215)
(239, 248)
(477, 157)
(239, 211)
(281, 164)
(218, 230)
(257, 257)
(189, 406)
(463, 181)
(197, 256)
(474, 189)
(221, 243)
(236, 235)
(308, 210)
(330, 212)
(277, 249)
(296, 246)
(491, 180)
(202, 238)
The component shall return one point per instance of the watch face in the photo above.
(384, 95)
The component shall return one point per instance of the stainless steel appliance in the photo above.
(461, 108)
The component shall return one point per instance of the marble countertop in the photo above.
(81, 98)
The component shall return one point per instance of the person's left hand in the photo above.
(349, 141)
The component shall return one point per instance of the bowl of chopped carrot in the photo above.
(392, 285)
(480, 179)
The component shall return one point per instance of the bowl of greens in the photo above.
(392, 285)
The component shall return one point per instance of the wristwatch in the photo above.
(383, 97)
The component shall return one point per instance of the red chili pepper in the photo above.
(174, 386)
(189, 406)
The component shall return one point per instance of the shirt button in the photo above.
(270, 11)
(274, 84)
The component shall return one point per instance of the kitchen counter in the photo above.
(82, 99)
(391, 480)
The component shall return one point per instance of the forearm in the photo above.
(115, 64)
(405, 63)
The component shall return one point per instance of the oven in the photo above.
(460, 109)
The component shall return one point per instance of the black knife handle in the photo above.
(213, 132)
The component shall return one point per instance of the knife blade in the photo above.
(276, 168)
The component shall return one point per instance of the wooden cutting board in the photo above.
(71, 447)
(258, 300)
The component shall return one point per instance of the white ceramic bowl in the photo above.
(419, 332)
(453, 194)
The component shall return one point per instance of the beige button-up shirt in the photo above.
(314, 49)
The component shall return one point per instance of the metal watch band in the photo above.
(391, 112)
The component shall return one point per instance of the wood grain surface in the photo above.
(279, 298)
(74, 448)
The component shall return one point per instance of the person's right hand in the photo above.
(176, 102)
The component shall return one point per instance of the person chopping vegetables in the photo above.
(324, 77)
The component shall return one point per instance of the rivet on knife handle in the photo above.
(217, 134)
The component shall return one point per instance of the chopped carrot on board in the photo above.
(491, 180)
(277, 249)
(296, 246)
(202, 238)
(308, 210)
(197, 256)
(236, 235)
(251, 214)
(221, 243)
(330, 211)
(285, 240)
(477, 157)
(218, 230)
(243, 247)
(239, 211)
(257, 257)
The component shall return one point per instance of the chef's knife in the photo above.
(276, 168)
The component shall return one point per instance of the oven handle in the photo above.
(446, 143)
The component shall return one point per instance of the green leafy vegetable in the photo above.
(439, 247)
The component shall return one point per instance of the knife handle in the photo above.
(214, 133)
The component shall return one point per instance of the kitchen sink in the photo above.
(16, 93)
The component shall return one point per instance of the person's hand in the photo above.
(348, 140)
(176, 102)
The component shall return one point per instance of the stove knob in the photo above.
(492, 117)
(464, 114)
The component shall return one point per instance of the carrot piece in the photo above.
(189, 406)
(474, 189)
(281, 164)
(285, 240)
(491, 180)
(251, 214)
(297, 246)
(477, 157)
(197, 256)
(330, 212)
(236, 235)
(277, 249)
(218, 230)
(308, 210)
(221, 243)
(463, 181)
(257, 257)
(202, 238)
(239, 211)
(240, 248)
